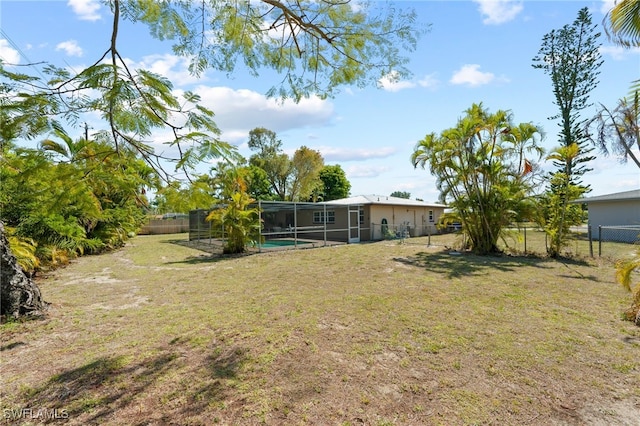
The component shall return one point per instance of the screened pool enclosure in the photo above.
(292, 225)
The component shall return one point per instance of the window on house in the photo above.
(318, 217)
(361, 216)
(431, 216)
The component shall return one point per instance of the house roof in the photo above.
(383, 200)
(618, 196)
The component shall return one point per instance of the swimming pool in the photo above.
(282, 243)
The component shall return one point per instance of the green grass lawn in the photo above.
(377, 334)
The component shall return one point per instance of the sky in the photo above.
(475, 51)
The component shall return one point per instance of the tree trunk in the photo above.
(19, 295)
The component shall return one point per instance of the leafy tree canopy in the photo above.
(401, 194)
(305, 178)
(335, 184)
(316, 47)
(293, 178)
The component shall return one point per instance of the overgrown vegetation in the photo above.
(57, 206)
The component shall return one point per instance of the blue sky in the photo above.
(475, 51)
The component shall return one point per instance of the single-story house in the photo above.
(353, 219)
(382, 216)
(619, 210)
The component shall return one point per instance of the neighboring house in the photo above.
(383, 216)
(619, 210)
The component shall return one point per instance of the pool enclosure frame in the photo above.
(320, 224)
(328, 224)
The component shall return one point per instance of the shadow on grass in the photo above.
(201, 245)
(196, 260)
(214, 251)
(221, 371)
(455, 264)
(103, 389)
(99, 388)
(10, 346)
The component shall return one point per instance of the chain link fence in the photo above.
(617, 241)
(531, 239)
(393, 231)
(200, 228)
(612, 242)
(604, 241)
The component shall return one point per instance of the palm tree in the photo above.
(556, 214)
(67, 148)
(624, 275)
(525, 138)
(240, 221)
(622, 23)
(476, 172)
(618, 130)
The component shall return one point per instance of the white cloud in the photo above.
(618, 52)
(392, 83)
(174, 68)
(87, 10)
(239, 111)
(7, 53)
(331, 153)
(614, 164)
(365, 171)
(471, 75)
(496, 12)
(429, 81)
(70, 47)
(607, 5)
(611, 175)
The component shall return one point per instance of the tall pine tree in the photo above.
(571, 57)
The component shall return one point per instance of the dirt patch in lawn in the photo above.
(373, 334)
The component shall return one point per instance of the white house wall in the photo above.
(614, 213)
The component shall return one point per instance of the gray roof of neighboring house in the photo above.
(383, 200)
(618, 196)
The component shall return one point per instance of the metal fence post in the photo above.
(599, 240)
(260, 228)
(590, 240)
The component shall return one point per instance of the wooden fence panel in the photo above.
(165, 226)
